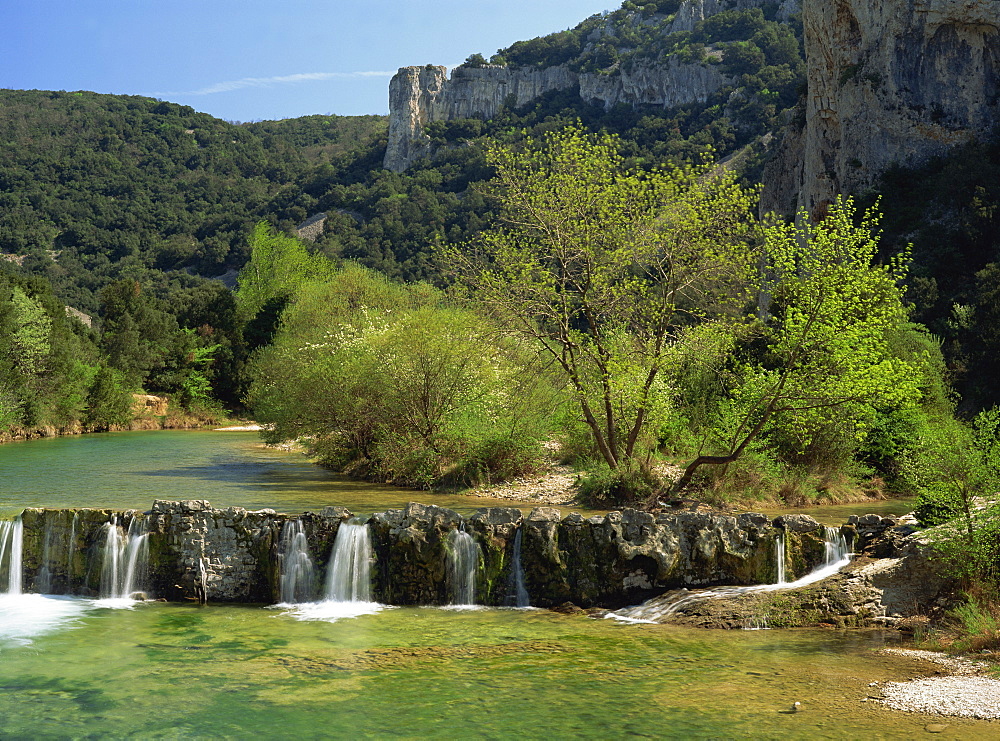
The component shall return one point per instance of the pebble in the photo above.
(964, 694)
(555, 486)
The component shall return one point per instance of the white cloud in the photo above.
(230, 85)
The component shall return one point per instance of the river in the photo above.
(73, 667)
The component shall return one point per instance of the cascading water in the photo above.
(349, 575)
(11, 548)
(23, 617)
(43, 582)
(126, 557)
(348, 578)
(836, 557)
(298, 575)
(463, 560)
(517, 593)
(779, 557)
(836, 546)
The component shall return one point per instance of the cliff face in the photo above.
(421, 95)
(890, 81)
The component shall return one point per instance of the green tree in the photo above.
(828, 358)
(602, 266)
(958, 471)
(138, 333)
(388, 381)
(278, 266)
(109, 400)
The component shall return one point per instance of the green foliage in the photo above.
(137, 332)
(611, 487)
(278, 266)
(474, 60)
(45, 365)
(600, 265)
(978, 625)
(810, 377)
(391, 382)
(109, 401)
(958, 471)
(949, 209)
(496, 458)
(95, 188)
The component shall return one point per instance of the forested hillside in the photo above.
(126, 205)
(95, 188)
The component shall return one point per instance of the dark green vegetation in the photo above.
(96, 188)
(949, 210)
(119, 205)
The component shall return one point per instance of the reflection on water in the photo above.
(837, 514)
(187, 672)
(128, 470)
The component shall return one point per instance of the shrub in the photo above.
(605, 486)
(495, 459)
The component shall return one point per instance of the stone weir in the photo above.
(197, 552)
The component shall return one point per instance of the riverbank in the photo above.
(966, 692)
(149, 413)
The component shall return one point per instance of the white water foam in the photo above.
(24, 617)
(463, 562)
(330, 610)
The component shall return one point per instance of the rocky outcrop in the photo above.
(419, 96)
(422, 95)
(889, 81)
(875, 590)
(197, 552)
(147, 405)
(623, 557)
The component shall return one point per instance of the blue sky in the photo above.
(260, 59)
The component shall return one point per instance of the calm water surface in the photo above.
(128, 470)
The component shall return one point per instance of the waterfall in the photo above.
(836, 546)
(779, 557)
(126, 557)
(517, 594)
(835, 557)
(463, 560)
(296, 568)
(12, 543)
(43, 582)
(349, 574)
(202, 581)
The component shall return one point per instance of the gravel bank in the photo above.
(554, 486)
(966, 693)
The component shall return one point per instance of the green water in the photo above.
(172, 671)
(128, 470)
(71, 668)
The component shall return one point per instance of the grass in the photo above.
(972, 627)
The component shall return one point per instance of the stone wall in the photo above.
(201, 553)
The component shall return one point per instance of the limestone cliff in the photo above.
(889, 81)
(421, 95)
